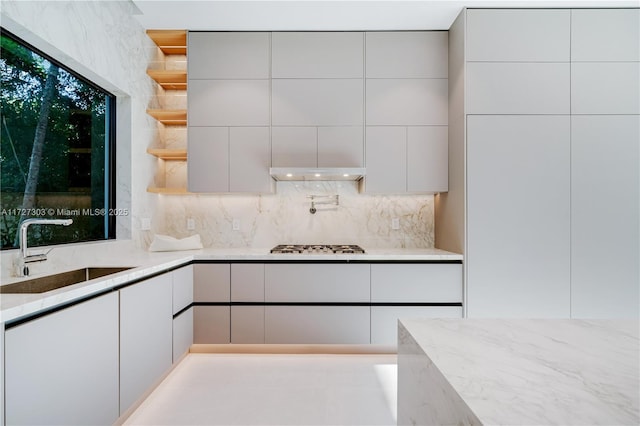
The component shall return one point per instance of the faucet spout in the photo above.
(24, 256)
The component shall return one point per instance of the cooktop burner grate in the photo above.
(317, 249)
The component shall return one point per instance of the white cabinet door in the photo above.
(605, 215)
(212, 282)
(518, 192)
(605, 35)
(182, 288)
(247, 324)
(518, 88)
(386, 159)
(416, 283)
(182, 334)
(518, 35)
(427, 159)
(63, 368)
(288, 282)
(407, 101)
(317, 102)
(340, 146)
(605, 88)
(407, 54)
(211, 324)
(317, 54)
(229, 55)
(384, 319)
(247, 282)
(294, 146)
(249, 159)
(317, 324)
(228, 103)
(208, 159)
(146, 344)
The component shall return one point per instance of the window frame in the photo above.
(110, 140)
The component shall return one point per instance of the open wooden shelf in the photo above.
(169, 116)
(169, 79)
(171, 42)
(168, 191)
(169, 154)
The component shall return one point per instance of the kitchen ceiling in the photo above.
(326, 15)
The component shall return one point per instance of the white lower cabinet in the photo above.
(384, 319)
(317, 324)
(416, 283)
(146, 344)
(63, 368)
(247, 324)
(182, 334)
(211, 324)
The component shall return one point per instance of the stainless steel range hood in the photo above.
(317, 174)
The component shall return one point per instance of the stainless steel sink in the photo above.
(56, 281)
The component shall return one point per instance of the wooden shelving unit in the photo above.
(169, 154)
(171, 42)
(169, 116)
(169, 79)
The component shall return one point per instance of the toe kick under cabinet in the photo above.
(320, 302)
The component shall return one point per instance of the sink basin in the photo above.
(56, 281)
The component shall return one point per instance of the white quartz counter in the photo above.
(516, 372)
(143, 263)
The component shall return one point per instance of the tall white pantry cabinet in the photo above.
(544, 119)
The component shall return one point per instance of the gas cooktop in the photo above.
(318, 249)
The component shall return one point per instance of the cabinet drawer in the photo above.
(212, 283)
(384, 319)
(317, 283)
(211, 324)
(247, 282)
(419, 283)
(182, 288)
(182, 334)
(247, 324)
(317, 324)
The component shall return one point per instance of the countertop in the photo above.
(144, 263)
(519, 371)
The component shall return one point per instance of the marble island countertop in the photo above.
(144, 264)
(518, 371)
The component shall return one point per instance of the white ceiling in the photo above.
(324, 15)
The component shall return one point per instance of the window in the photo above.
(57, 149)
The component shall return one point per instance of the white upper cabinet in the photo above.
(605, 35)
(386, 159)
(294, 146)
(427, 159)
(249, 159)
(317, 102)
(228, 103)
(407, 54)
(518, 88)
(340, 146)
(208, 156)
(605, 88)
(518, 35)
(317, 54)
(228, 55)
(407, 102)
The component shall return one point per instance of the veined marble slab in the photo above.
(518, 372)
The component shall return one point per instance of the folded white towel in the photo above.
(167, 243)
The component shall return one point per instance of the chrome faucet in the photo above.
(23, 256)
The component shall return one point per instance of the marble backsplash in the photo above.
(284, 217)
